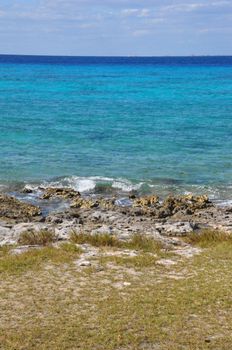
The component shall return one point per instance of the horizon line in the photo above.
(114, 56)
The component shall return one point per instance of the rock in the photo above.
(64, 229)
(84, 203)
(25, 226)
(187, 203)
(96, 216)
(65, 193)
(83, 263)
(11, 235)
(59, 217)
(164, 213)
(175, 228)
(6, 236)
(27, 189)
(102, 230)
(148, 201)
(90, 203)
(12, 208)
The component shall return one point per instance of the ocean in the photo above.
(115, 124)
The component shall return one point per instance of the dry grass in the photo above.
(184, 307)
(209, 237)
(36, 258)
(132, 303)
(143, 243)
(42, 237)
(97, 240)
(137, 242)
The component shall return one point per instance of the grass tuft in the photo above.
(144, 243)
(97, 240)
(42, 237)
(70, 248)
(137, 242)
(208, 237)
(35, 258)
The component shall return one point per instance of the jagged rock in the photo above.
(65, 193)
(59, 217)
(86, 203)
(102, 230)
(29, 226)
(5, 236)
(27, 189)
(148, 201)
(176, 228)
(64, 230)
(187, 203)
(12, 208)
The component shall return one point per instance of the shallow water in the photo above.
(100, 125)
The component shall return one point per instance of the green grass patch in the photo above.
(4, 250)
(208, 237)
(143, 243)
(137, 242)
(42, 237)
(97, 240)
(67, 310)
(140, 261)
(36, 258)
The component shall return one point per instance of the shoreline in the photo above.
(173, 216)
(106, 187)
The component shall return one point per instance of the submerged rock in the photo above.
(12, 208)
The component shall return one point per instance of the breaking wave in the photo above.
(107, 186)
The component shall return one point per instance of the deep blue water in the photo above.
(154, 124)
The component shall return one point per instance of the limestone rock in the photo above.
(65, 193)
(148, 201)
(182, 203)
(89, 203)
(176, 228)
(6, 236)
(12, 208)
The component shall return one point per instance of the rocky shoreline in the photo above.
(164, 220)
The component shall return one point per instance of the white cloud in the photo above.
(183, 7)
(135, 12)
(190, 7)
(141, 32)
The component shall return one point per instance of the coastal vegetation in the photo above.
(137, 241)
(42, 237)
(208, 237)
(119, 302)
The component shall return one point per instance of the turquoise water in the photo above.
(154, 125)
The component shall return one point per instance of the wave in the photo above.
(94, 184)
(120, 187)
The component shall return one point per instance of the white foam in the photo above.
(126, 185)
(85, 184)
(88, 184)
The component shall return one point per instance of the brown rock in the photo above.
(12, 208)
(88, 203)
(65, 193)
(188, 203)
(147, 201)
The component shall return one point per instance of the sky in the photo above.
(116, 27)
